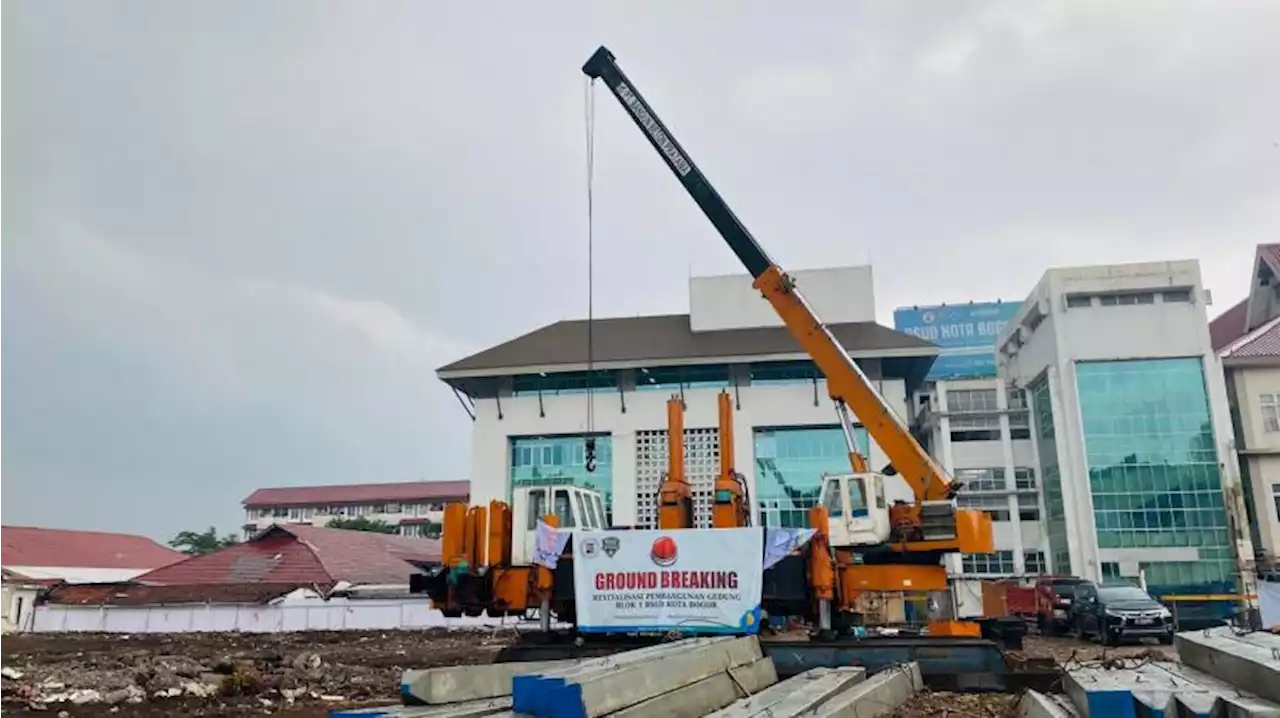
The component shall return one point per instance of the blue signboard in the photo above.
(967, 334)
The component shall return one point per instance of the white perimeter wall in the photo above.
(336, 614)
(761, 406)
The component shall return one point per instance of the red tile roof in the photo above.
(132, 594)
(303, 556)
(31, 546)
(1229, 325)
(1261, 343)
(404, 491)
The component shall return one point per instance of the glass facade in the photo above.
(673, 378)
(540, 460)
(1153, 468)
(790, 463)
(1050, 474)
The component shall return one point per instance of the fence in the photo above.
(336, 614)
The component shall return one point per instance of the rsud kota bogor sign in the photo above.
(695, 580)
(967, 334)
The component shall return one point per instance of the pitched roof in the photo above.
(1229, 325)
(1257, 346)
(303, 556)
(32, 546)
(401, 492)
(133, 594)
(666, 338)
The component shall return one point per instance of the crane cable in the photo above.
(589, 112)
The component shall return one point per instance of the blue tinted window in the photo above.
(784, 372)
(689, 377)
(572, 382)
(1153, 468)
(1050, 474)
(541, 460)
(790, 463)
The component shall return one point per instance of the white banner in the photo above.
(704, 580)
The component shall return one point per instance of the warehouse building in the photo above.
(1131, 426)
(978, 428)
(533, 414)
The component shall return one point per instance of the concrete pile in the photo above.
(726, 676)
(1222, 673)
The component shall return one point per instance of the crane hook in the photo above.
(591, 455)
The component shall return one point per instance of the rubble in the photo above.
(226, 673)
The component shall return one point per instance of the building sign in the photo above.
(695, 580)
(967, 334)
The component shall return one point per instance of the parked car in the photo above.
(1054, 595)
(1114, 613)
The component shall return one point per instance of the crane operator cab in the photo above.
(575, 508)
(857, 511)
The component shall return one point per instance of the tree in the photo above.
(362, 523)
(198, 544)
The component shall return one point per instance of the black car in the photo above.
(1119, 612)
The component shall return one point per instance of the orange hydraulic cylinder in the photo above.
(729, 506)
(453, 535)
(499, 533)
(478, 522)
(821, 571)
(675, 496)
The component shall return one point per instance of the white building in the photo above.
(1247, 338)
(415, 508)
(979, 430)
(1131, 426)
(533, 415)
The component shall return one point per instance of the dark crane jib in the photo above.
(846, 382)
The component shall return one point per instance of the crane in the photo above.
(932, 524)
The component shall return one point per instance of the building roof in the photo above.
(1229, 325)
(32, 546)
(303, 556)
(668, 338)
(401, 492)
(133, 594)
(1260, 346)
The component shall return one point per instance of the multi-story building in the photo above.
(416, 508)
(978, 428)
(533, 410)
(1247, 339)
(1131, 426)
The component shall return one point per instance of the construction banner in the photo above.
(693, 580)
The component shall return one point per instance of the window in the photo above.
(1024, 479)
(544, 460)
(1153, 470)
(564, 509)
(572, 382)
(394, 508)
(790, 463)
(1270, 413)
(999, 563)
(1122, 300)
(972, 400)
(1028, 507)
(1017, 400)
(378, 509)
(996, 506)
(676, 377)
(1275, 495)
(975, 428)
(1175, 295)
(537, 507)
(784, 372)
(1033, 561)
(1110, 570)
(977, 480)
(1075, 301)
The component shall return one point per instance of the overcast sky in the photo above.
(240, 236)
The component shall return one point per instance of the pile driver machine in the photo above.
(862, 546)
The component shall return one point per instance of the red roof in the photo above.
(303, 556)
(401, 492)
(1229, 325)
(31, 546)
(1261, 343)
(132, 594)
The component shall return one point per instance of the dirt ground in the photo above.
(309, 674)
(225, 674)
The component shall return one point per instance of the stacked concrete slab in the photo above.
(1160, 689)
(1249, 661)
(683, 679)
